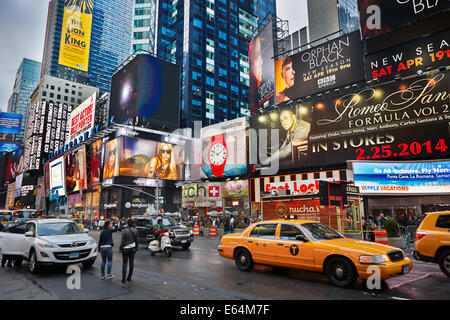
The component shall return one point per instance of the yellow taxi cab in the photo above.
(313, 246)
(433, 240)
(78, 222)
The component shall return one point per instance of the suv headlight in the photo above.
(191, 233)
(373, 259)
(91, 241)
(44, 245)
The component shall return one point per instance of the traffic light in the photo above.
(323, 193)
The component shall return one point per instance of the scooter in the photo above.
(166, 247)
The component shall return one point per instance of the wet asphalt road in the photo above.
(201, 274)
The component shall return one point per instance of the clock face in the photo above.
(218, 154)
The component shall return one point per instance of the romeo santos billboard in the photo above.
(407, 120)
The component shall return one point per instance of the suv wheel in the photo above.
(340, 272)
(34, 266)
(244, 260)
(444, 262)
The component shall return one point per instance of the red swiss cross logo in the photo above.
(214, 191)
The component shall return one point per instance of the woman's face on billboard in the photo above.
(112, 156)
(166, 152)
(257, 60)
(288, 74)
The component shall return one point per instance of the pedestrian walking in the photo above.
(128, 247)
(105, 247)
(227, 226)
(232, 224)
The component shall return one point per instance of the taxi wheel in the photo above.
(244, 260)
(340, 272)
(444, 262)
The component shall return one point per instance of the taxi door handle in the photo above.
(280, 244)
(250, 241)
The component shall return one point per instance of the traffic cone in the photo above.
(381, 236)
(213, 231)
(196, 230)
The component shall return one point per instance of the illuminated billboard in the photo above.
(82, 118)
(57, 176)
(76, 34)
(224, 149)
(377, 177)
(148, 88)
(76, 170)
(262, 74)
(151, 159)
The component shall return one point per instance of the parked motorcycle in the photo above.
(165, 247)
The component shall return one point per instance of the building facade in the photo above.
(209, 39)
(110, 42)
(57, 90)
(340, 15)
(27, 77)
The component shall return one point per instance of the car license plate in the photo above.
(183, 241)
(74, 255)
(405, 268)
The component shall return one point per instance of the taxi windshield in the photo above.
(320, 231)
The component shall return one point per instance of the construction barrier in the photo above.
(196, 230)
(213, 231)
(381, 236)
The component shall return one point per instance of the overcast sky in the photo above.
(22, 34)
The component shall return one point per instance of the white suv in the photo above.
(48, 242)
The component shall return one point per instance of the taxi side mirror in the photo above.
(301, 237)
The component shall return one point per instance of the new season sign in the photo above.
(423, 54)
(402, 177)
(76, 34)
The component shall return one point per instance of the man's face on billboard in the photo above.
(287, 119)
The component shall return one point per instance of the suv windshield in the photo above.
(166, 222)
(320, 231)
(58, 228)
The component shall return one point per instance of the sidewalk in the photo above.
(16, 286)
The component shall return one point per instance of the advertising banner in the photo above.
(94, 164)
(76, 170)
(111, 159)
(17, 186)
(307, 209)
(76, 34)
(10, 122)
(262, 77)
(9, 146)
(380, 16)
(405, 120)
(82, 118)
(224, 149)
(151, 159)
(422, 54)
(334, 64)
(27, 189)
(16, 164)
(57, 176)
(148, 88)
(397, 178)
(202, 191)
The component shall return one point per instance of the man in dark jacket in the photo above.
(128, 247)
